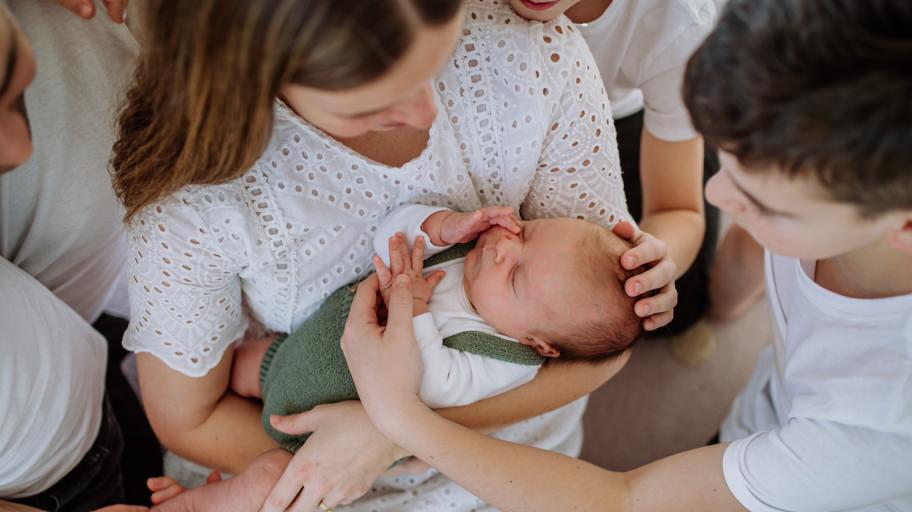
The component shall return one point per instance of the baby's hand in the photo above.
(448, 227)
(412, 266)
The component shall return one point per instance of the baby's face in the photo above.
(521, 283)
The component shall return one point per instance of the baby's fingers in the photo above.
(509, 222)
(434, 279)
(402, 244)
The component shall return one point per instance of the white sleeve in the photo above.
(661, 78)
(185, 289)
(813, 465)
(406, 219)
(579, 171)
(452, 377)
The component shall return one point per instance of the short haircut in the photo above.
(815, 89)
(614, 325)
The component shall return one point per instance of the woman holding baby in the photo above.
(255, 192)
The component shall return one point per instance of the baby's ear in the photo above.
(542, 347)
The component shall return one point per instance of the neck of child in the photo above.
(871, 272)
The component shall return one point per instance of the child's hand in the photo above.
(411, 265)
(450, 227)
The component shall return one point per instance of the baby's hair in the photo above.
(616, 326)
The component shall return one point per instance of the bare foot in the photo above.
(736, 278)
(245, 368)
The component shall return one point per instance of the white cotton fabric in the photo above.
(451, 377)
(52, 372)
(641, 48)
(59, 218)
(825, 423)
(523, 121)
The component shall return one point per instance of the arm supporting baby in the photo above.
(506, 475)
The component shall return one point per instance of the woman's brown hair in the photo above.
(200, 108)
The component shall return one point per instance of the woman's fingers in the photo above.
(86, 8)
(399, 319)
(660, 275)
(117, 9)
(383, 272)
(297, 424)
(82, 8)
(363, 311)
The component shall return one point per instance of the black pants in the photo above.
(142, 456)
(96, 481)
(693, 289)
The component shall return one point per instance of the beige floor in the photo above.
(658, 405)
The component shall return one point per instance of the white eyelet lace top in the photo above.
(523, 120)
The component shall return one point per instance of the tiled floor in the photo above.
(658, 405)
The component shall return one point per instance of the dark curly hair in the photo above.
(818, 89)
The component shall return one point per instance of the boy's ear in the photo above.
(901, 236)
(541, 346)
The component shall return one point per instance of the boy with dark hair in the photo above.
(809, 101)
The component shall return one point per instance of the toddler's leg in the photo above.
(736, 279)
(245, 369)
(245, 491)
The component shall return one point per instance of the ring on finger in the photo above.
(323, 507)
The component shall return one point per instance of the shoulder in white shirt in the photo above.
(826, 420)
(641, 48)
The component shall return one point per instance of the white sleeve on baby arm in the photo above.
(452, 377)
(407, 219)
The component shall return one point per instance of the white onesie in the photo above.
(451, 377)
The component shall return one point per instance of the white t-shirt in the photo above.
(825, 423)
(522, 120)
(59, 218)
(641, 48)
(52, 370)
(451, 377)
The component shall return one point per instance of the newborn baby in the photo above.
(486, 317)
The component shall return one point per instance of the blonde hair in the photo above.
(200, 108)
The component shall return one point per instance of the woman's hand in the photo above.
(337, 464)
(385, 361)
(86, 8)
(657, 310)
